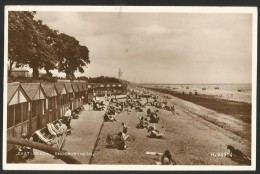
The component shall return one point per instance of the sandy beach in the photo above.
(195, 136)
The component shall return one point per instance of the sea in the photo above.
(224, 87)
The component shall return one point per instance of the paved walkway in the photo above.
(84, 134)
(82, 140)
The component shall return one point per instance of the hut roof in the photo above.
(15, 94)
(84, 85)
(60, 88)
(33, 90)
(75, 87)
(80, 87)
(114, 85)
(68, 87)
(11, 90)
(49, 89)
(102, 86)
(108, 85)
(19, 70)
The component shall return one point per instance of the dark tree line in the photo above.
(32, 43)
(101, 79)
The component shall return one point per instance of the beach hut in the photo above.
(85, 92)
(37, 106)
(108, 89)
(63, 98)
(90, 93)
(52, 102)
(81, 95)
(70, 95)
(102, 90)
(17, 111)
(119, 89)
(19, 73)
(76, 92)
(114, 89)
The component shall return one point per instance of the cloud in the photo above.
(162, 47)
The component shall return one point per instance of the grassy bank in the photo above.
(239, 110)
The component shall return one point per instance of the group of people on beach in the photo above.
(133, 102)
(152, 117)
(119, 140)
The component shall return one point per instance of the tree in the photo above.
(72, 56)
(20, 26)
(30, 42)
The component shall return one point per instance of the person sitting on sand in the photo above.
(125, 136)
(109, 118)
(111, 110)
(167, 158)
(173, 109)
(120, 142)
(154, 118)
(149, 111)
(145, 123)
(125, 128)
(155, 133)
(118, 108)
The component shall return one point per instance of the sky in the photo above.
(161, 47)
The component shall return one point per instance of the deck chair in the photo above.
(54, 128)
(43, 138)
(50, 129)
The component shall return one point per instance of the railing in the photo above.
(48, 149)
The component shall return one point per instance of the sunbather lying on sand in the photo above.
(155, 133)
(109, 118)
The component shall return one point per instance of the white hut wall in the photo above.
(17, 120)
(38, 111)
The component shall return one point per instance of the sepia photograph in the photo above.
(129, 88)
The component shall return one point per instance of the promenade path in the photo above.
(82, 140)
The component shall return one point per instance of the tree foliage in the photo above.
(72, 56)
(101, 79)
(30, 42)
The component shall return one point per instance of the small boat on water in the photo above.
(187, 87)
(203, 89)
(217, 87)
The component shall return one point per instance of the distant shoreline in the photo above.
(193, 83)
(239, 110)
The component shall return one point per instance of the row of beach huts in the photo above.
(30, 106)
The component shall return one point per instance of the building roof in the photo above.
(11, 90)
(33, 90)
(80, 87)
(75, 87)
(49, 89)
(68, 87)
(15, 94)
(85, 87)
(60, 88)
(19, 70)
